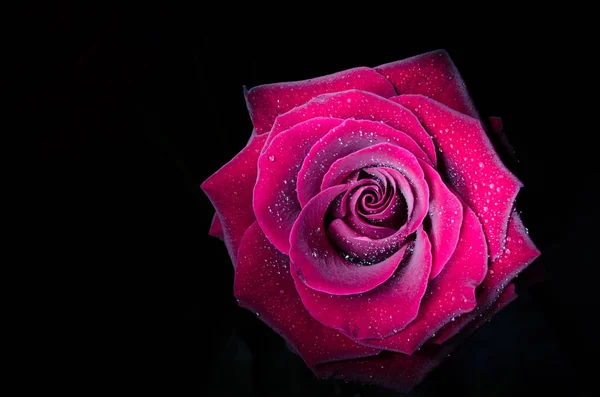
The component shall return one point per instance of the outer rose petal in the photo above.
(446, 215)
(266, 102)
(319, 265)
(230, 191)
(263, 285)
(399, 371)
(450, 294)
(475, 170)
(433, 75)
(380, 311)
(518, 254)
(216, 230)
(275, 200)
(359, 105)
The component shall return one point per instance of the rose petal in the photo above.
(319, 265)
(448, 295)
(360, 248)
(474, 168)
(275, 200)
(445, 214)
(359, 105)
(216, 230)
(349, 137)
(520, 251)
(380, 311)
(400, 185)
(230, 192)
(266, 102)
(381, 155)
(399, 371)
(433, 75)
(263, 285)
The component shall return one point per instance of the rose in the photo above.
(369, 220)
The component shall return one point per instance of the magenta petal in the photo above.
(349, 137)
(383, 155)
(399, 371)
(518, 254)
(275, 200)
(445, 214)
(448, 295)
(474, 168)
(230, 191)
(319, 265)
(263, 285)
(359, 105)
(383, 310)
(266, 102)
(433, 75)
(216, 230)
(356, 245)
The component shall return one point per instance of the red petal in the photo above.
(275, 200)
(399, 371)
(381, 311)
(518, 254)
(266, 102)
(446, 215)
(359, 105)
(230, 191)
(319, 265)
(433, 75)
(216, 230)
(475, 171)
(448, 295)
(263, 285)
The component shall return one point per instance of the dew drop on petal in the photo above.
(271, 158)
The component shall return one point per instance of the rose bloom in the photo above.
(369, 219)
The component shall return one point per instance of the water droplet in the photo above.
(282, 291)
(271, 158)
(243, 175)
(491, 271)
(480, 164)
(235, 193)
(453, 299)
(453, 319)
(314, 254)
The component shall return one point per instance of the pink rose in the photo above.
(369, 220)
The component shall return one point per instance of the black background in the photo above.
(130, 112)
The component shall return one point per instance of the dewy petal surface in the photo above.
(263, 284)
(518, 254)
(402, 372)
(385, 155)
(275, 200)
(359, 105)
(433, 75)
(448, 295)
(347, 138)
(382, 310)
(446, 215)
(474, 168)
(266, 102)
(319, 265)
(230, 191)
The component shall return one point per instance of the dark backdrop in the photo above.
(130, 113)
